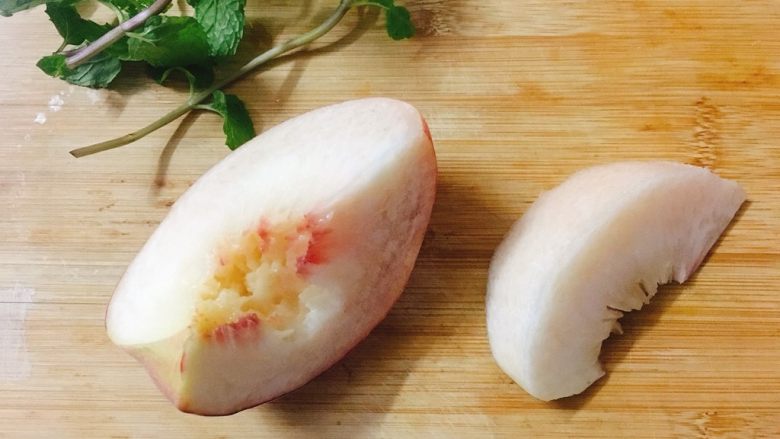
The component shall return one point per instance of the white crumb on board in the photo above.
(14, 361)
(96, 96)
(55, 103)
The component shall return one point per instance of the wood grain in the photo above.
(518, 95)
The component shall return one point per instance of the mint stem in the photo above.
(84, 54)
(193, 101)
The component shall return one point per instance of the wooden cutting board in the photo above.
(518, 94)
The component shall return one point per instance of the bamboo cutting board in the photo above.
(518, 95)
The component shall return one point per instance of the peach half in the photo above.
(280, 258)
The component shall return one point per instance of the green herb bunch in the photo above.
(92, 54)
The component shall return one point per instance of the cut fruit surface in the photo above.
(280, 258)
(263, 274)
(589, 250)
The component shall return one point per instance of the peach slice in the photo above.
(588, 251)
(281, 258)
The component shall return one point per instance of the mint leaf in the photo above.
(223, 21)
(236, 124)
(127, 8)
(53, 65)
(167, 41)
(399, 24)
(385, 4)
(98, 72)
(10, 7)
(398, 20)
(120, 50)
(198, 76)
(74, 29)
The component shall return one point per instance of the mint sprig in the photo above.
(93, 54)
